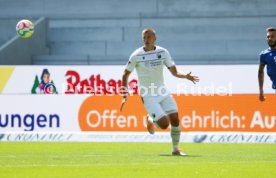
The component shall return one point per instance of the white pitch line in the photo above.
(54, 156)
(65, 156)
(130, 164)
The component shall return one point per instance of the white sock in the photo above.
(175, 134)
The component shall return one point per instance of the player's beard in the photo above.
(271, 43)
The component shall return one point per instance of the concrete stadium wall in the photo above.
(107, 31)
(7, 29)
(133, 8)
(20, 51)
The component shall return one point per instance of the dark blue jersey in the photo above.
(268, 58)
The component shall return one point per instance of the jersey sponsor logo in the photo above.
(155, 63)
(151, 62)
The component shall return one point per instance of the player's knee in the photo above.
(175, 123)
(164, 126)
(163, 123)
(174, 119)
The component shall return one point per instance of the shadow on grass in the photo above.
(187, 156)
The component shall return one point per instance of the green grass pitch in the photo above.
(129, 160)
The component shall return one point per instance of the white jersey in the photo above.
(149, 66)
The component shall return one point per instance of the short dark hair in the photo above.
(270, 29)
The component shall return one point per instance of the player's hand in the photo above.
(192, 78)
(123, 103)
(262, 97)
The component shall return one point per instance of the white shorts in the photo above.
(159, 106)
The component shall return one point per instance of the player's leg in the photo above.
(156, 116)
(163, 122)
(170, 107)
(175, 130)
(175, 134)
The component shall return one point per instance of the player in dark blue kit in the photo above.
(268, 58)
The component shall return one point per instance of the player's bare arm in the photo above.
(175, 72)
(124, 88)
(268, 60)
(261, 81)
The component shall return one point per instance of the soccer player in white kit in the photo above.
(149, 61)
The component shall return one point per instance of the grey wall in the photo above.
(20, 51)
(107, 31)
(134, 8)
